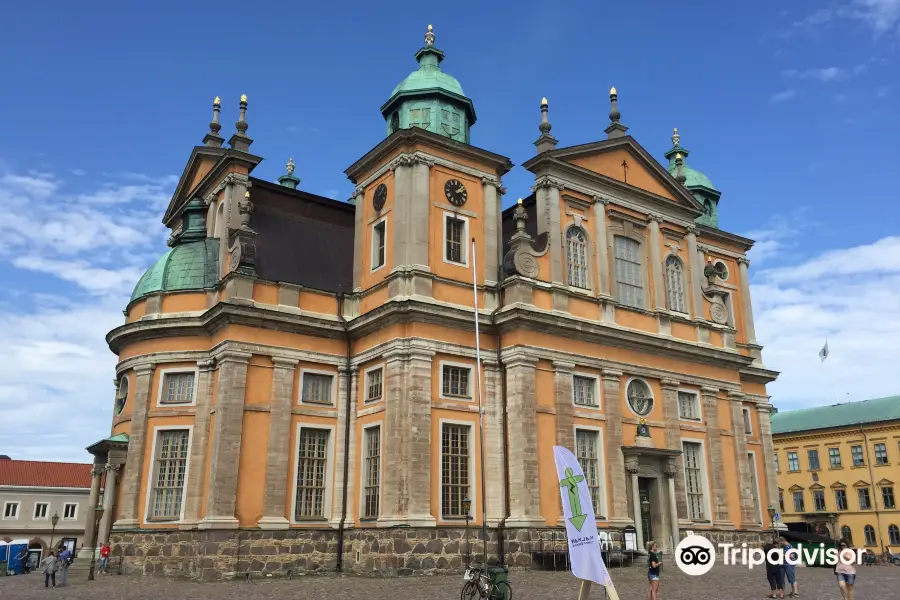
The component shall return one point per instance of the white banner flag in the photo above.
(581, 525)
(823, 353)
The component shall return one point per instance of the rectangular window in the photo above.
(312, 461)
(865, 500)
(887, 497)
(781, 500)
(813, 457)
(455, 381)
(688, 406)
(834, 457)
(748, 426)
(693, 478)
(378, 240)
(70, 510)
(374, 384)
(584, 390)
(793, 462)
(40, 510)
(629, 279)
(373, 472)
(11, 510)
(840, 499)
(454, 469)
(881, 454)
(455, 238)
(799, 506)
(178, 388)
(856, 452)
(171, 466)
(317, 388)
(777, 467)
(586, 452)
(819, 499)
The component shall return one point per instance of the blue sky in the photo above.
(790, 108)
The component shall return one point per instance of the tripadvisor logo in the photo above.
(696, 555)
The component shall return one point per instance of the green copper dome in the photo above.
(694, 178)
(428, 77)
(701, 188)
(191, 264)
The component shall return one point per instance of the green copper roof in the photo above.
(429, 77)
(693, 177)
(119, 437)
(837, 415)
(190, 266)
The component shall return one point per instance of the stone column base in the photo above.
(409, 520)
(525, 522)
(274, 523)
(723, 525)
(218, 523)
(125, 524)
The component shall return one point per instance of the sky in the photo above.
(791, 109)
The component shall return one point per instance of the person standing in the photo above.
(774, 570)
(104, 556)
(789, 573)
(654, 560)
(49, 566)
(65, 559)
(845, 572)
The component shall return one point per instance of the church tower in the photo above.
(697, 183)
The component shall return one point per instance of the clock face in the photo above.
(456, 192)
(380, 197)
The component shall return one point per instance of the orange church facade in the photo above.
(297, 381)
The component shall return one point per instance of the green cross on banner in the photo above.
(571, 481)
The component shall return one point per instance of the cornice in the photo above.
(834, 432)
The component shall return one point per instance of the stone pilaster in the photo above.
(740, 459)
(601, 246)
(618, 492)
(278, 451)
(109, 500)
(632, 465)
(524, 495)
(358, 236)
(673, 440)
(717, 483)
(548, 214)
(493, 442)
(199, 444)
(565, 410)
(418, 229)
(402, 203)
(493, 239)
(137, 438)
(746, 304)
(417, 431)
(226, 442)
(341, 439)
(765, 435)
(656, 264)
(87, 546)
(696, 266)
(671, 470)
(394, 493)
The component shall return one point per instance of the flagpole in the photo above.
(480, 406)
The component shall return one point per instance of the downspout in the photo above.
(349, 406)
(502, 369)
(874, 489)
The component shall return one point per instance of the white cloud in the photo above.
(881, 16)
(825, 75)
(782, 96)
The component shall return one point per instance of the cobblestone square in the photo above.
(874, 583)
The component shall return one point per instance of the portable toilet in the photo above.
(4, 556)
(14, 549)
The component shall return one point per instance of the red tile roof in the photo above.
(34, 473)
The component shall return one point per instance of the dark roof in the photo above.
(34, 473)
(837, 415)
(303, 238)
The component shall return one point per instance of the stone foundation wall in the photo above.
(216, 555)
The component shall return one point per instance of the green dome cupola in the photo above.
(192, 263)
(430, 99)
(699, 184)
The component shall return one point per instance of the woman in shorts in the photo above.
(654, 560)
(846, 573)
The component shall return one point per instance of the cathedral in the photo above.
(297, 387)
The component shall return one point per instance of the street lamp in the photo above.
(98, 514)
(833, 519)
(54, 520)
(467, 505)
(771, 511)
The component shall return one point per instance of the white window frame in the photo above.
(747, 416)
(366, 383)
(162, 386)
(759, 499)
(465, 239)
(472, 375)
(374, 248)
(74, 517)
(329, 473)
(704, 472)
(697, 404)
(587, 287)
(674, 287)
(601, 463)
(473, 449)
(652, 397)
(18, 506)
(363, 472)
(597, 390)
(147, 519)
(332, 394)
(46, 516)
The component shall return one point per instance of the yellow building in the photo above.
(300, 373)
(838, 467)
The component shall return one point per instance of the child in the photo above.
(654, 560)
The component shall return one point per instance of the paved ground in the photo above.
(874, 583)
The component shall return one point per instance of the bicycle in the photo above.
(479, 585)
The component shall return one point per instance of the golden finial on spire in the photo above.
(290, 166)
(430, 28)
(612, 91)
(676, 139)
(544, 101)
(678, 156)
(429, 37)
(247, 195)
(244, 98)
(520, 202)
(217, 101)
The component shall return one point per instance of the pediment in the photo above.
(817, 486)
(861, 483)
(884, 482)
(795, 488)
(837, 485)
(626, 161)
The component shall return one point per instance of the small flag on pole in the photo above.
(823, 353)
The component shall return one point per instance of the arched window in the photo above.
(894, 535)
(640, 397)
(576, 257)
(675, 284)
(847, 535)
(121, 394)
(870, 535)
(629, 278)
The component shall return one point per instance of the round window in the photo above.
(721, 270)
(640, 398)
(121, 394)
